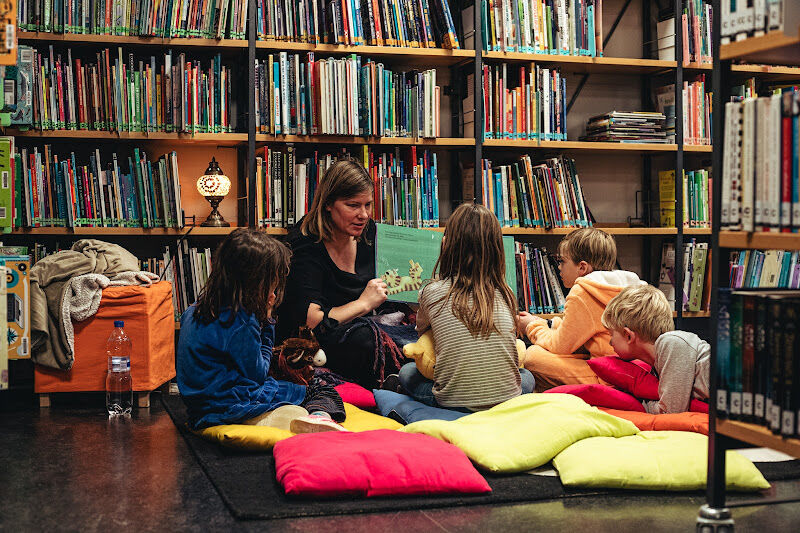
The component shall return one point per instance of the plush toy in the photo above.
(424, 355)
(295, 358)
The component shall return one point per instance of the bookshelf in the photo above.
(372, 141)
(218, 139)
(772, 48)
(128, 40)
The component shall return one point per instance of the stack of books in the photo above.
(535, 195)
(760, 187)
(627, 127)
(406, 185)
(524, 103)
(420, 24)
(105, 191)
(757, 363)
(298, 95)
(543, 27)
(539, 288)
(769, 269)
(129, 94)
(696, 293)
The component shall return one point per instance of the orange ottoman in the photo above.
(149, 323)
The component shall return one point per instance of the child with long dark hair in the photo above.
(472, 312)
(226, 342)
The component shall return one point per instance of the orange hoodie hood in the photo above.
(603, 285)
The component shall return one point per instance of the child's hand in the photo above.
(524, 318)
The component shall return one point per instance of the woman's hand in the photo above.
(374, 294)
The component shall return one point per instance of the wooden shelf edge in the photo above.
(345, 139)
(613, 230)
(130, 39)
(697, 231)
(439, 53)
(758, 45)
(758, 435)
(579, 145)
(150, 232)
(759, 240)
(698, 148)
(693, 314)
(218, 138)
(622, 62)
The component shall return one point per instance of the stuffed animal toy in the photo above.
(294, 359)
(424, 355)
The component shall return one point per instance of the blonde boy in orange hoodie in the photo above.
(559, 352)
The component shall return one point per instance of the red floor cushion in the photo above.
(601, 396)
(373, 463)
(357, 395)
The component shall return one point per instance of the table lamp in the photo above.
(214, 185)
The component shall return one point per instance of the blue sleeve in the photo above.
(249, 352)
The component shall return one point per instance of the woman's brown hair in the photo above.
(472, 258)
(346, 178)
(248, 265)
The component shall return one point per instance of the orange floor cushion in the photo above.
(690, 421)
(149, 322)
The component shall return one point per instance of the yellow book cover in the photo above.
(666, 196)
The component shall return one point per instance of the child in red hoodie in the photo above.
(560, 350)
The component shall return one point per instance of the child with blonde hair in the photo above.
(559, 352)
(640, 321)
(471, 311)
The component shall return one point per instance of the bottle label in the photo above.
(120, 364)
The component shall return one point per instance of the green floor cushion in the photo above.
(259, 438)
(651, 460)
(525, 432)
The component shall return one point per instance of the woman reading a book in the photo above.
(332, 284)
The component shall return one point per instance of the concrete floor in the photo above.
(69, 468)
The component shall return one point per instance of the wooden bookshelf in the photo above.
(218, 139)
(424, 57)
(346, 139)
(613, 230)
(129, 40)
(774, 48)
(585, 64)
(759, 240)
(697, 231)
(768, 72)
(702, 148)
(589, 146)
(758, 435)
(149, 232)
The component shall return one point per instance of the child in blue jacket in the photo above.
(226, 342)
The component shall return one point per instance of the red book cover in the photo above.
(34, 188)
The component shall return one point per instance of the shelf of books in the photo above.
(387, 141)
(588, 146)
(151, 232)
(613, 230)
(426, 57)
(128, 40)
(774, 48)
(759, 240)
(218, 139)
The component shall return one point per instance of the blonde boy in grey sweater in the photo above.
(640, 321)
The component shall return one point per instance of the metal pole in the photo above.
(478, 97)
(679, 266)
(251, 114)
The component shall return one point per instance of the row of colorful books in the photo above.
(758, 338)
(416, 24)
(627, 127)
(696, 290)
(529, 103)
(303, 96)
(406, 186)
(116, 93)
(420, 23)
(696, 19)
(697, 111)
(764, 269)
(63, 191)
(560, 27)
(182, 18)
(760, 169)
(539, 288)
(742, 19)
(535, 195)
(186, 268)
(696, 198)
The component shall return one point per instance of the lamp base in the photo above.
(214, 219)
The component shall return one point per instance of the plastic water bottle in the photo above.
(119, 386)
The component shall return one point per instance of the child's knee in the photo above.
(409, 374)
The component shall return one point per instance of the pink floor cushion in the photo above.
(357, 395)
(634, 379)
(601, 396)
(373, 463)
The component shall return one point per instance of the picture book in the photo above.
(405, 257)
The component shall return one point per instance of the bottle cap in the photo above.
(119, 323)
(119, 364)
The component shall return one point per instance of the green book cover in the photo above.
(6, 198)
(405, 257)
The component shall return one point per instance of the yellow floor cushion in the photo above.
(651, 460)
(524, 432)
(256, 438)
